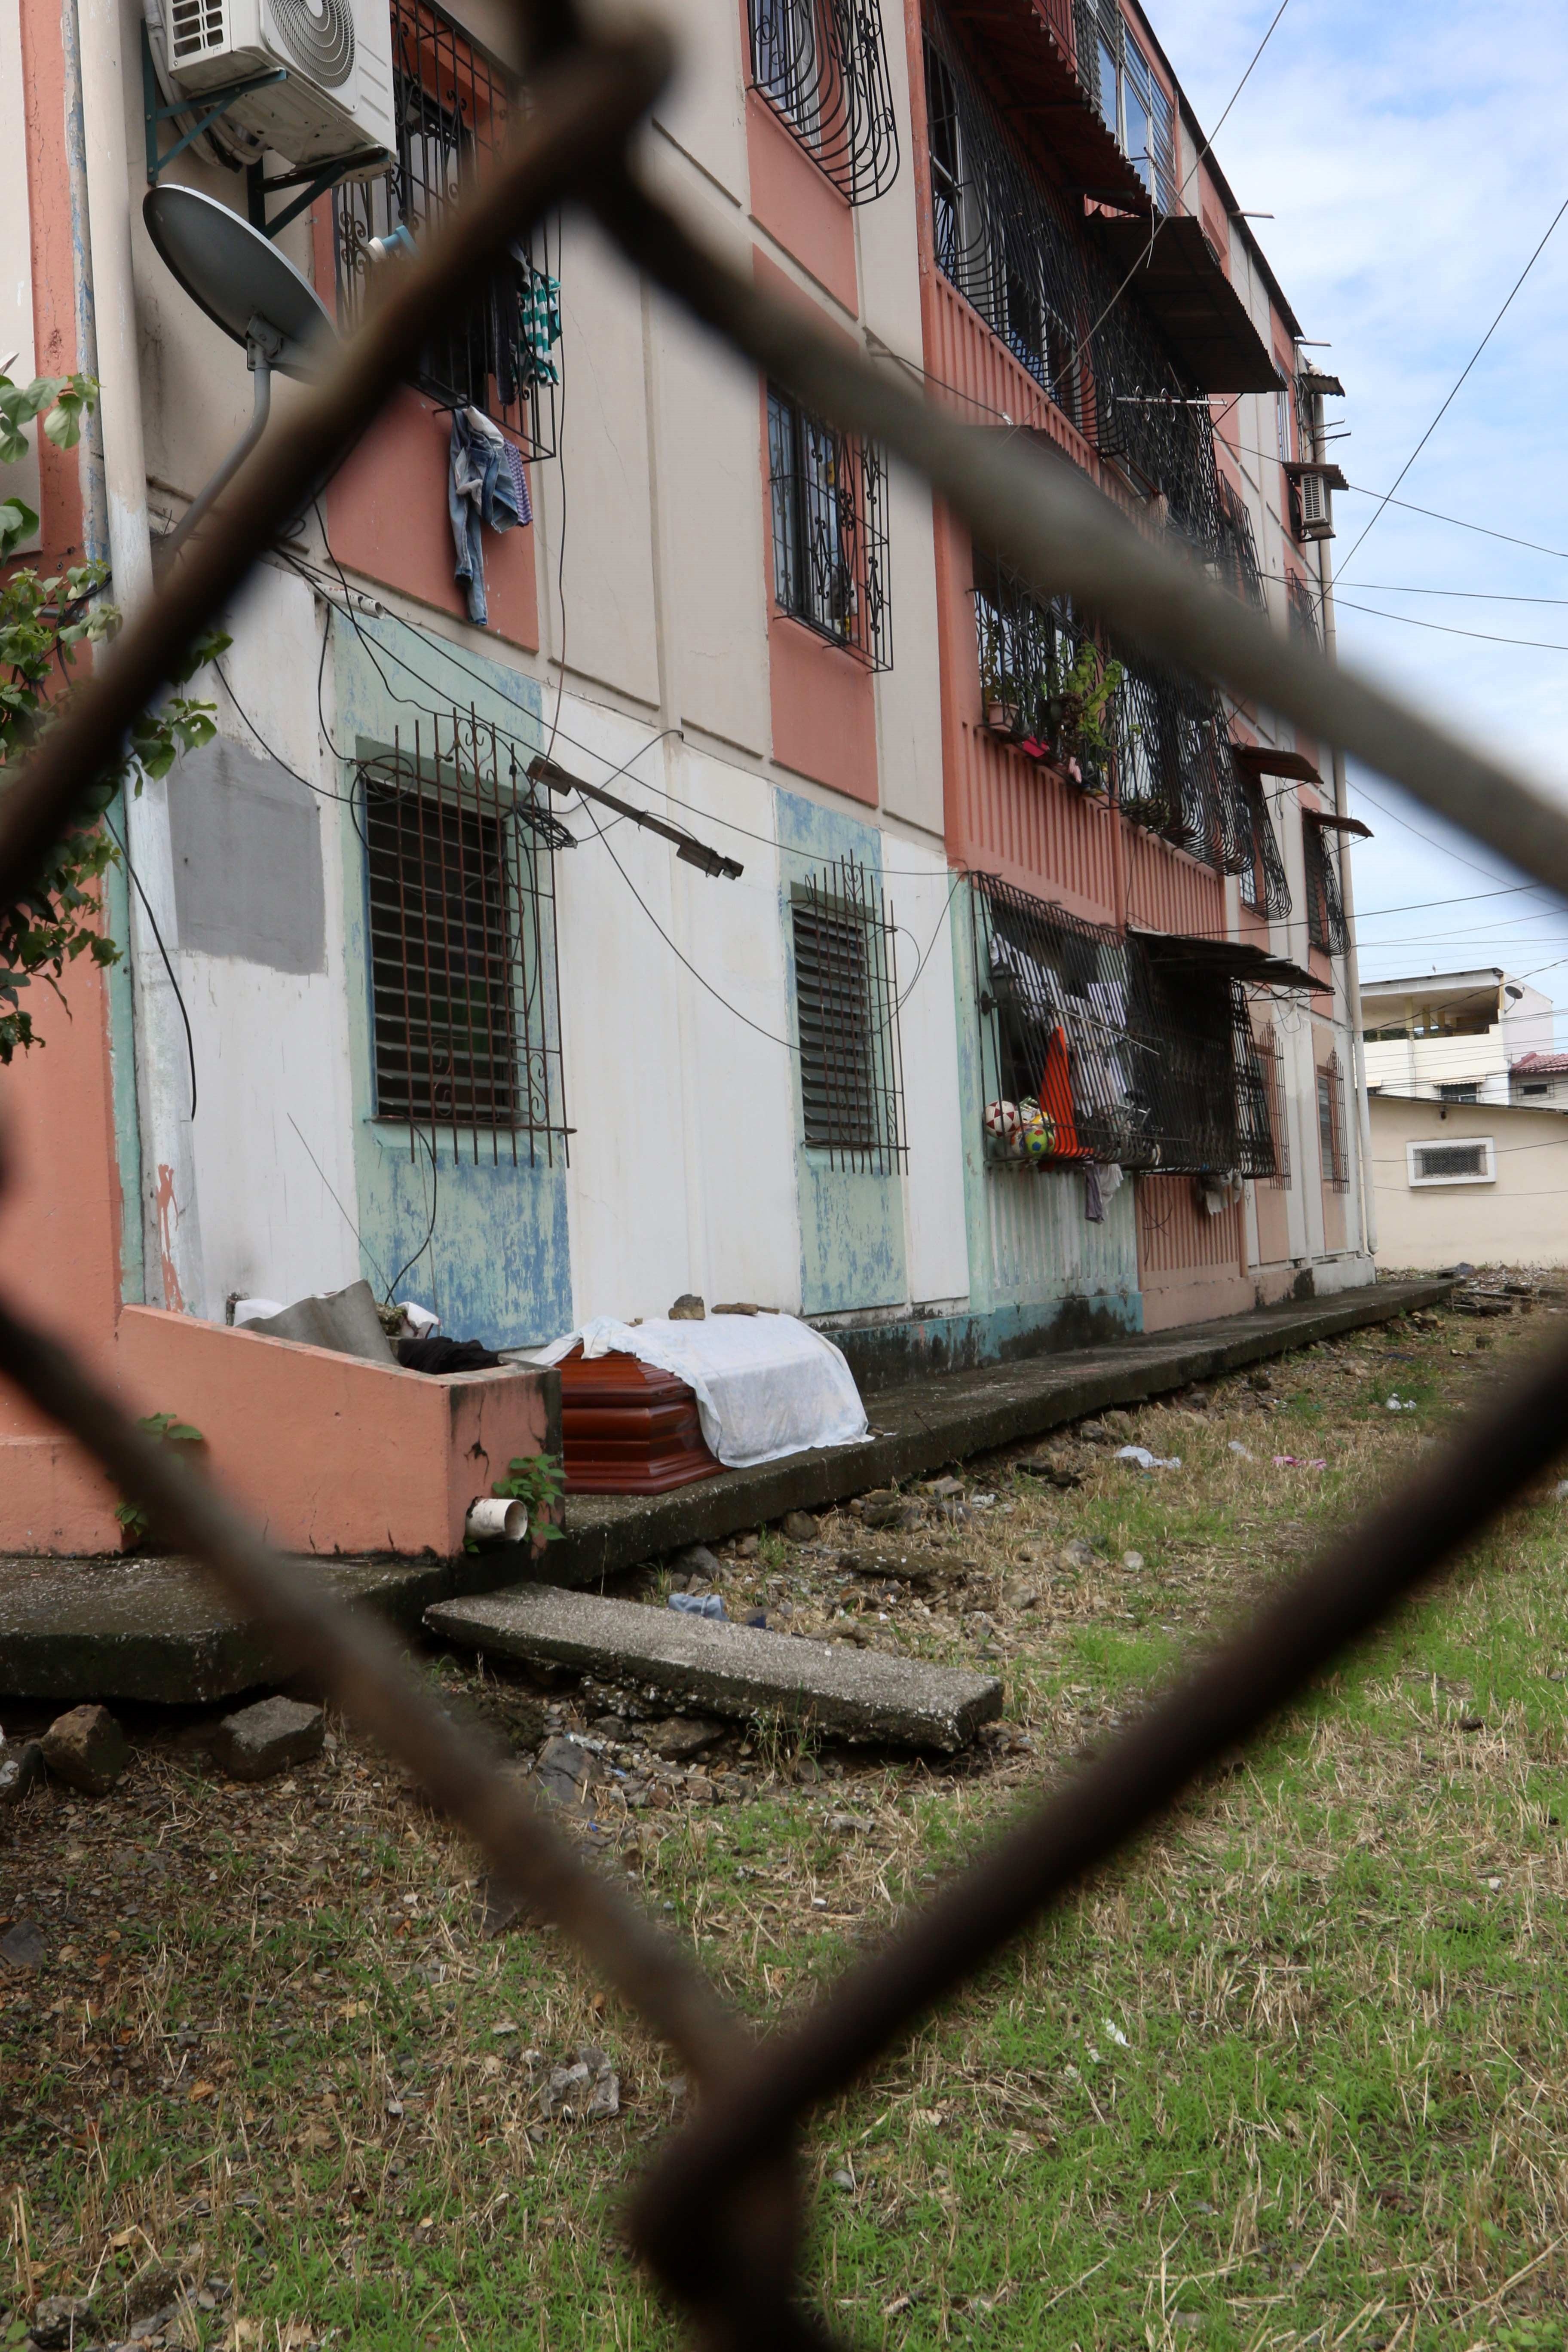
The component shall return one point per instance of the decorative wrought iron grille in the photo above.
(1271, 1055)
(822, 65)
(1122, 83)
(847, 1014)
(1301, 611)
(829, 533)
(1176, 774)
(1327, 927)
(1333, 1149)
(460, 890)
(1002, 236)
(1028, 648)
(1157, 1054)
(1264, 885)
(453, 105)
(1236, 565)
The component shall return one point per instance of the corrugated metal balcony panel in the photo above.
(1044, 1247)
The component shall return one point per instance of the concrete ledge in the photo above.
(150, 1629)
(724, 1669)
(929, 1423)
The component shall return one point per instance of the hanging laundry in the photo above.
(486, 485)
(1093, 1204)
(540, 326)
(1055, 1097)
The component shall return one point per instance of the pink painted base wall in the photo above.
(330, 1454)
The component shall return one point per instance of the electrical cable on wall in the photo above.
(173, 983)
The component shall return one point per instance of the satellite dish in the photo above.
(253, 293)
(239, 277)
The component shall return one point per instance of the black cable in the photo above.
(435, 1203)
(190, 1041)
(322, 791)
(561, 550)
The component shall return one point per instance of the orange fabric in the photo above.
(1055, 1097)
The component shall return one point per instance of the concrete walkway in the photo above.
(150, 1629)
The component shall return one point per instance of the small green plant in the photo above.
(172, 1431)
(1080, 707)
(539, 1480)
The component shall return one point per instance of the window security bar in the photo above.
(453, 107)
(1028, 648)
(1271, 1056)
(1176, 772)
(822, 65)
(847, 1010)
(829, 531)
(461, 901)
(1235, 563)
(1301, 611)
(1333, 1147)
(1265, 885)
(1327, 924)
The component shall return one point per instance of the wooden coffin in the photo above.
(627, 1428)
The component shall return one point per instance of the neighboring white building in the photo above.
(1486, 1181)
(1459, 1037)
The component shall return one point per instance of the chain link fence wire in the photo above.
(717, 2213)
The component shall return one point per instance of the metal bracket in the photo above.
(312, 180)
(215, 102)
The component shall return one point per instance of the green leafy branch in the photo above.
(44, 619)
(539, 1480)
(170, 1429)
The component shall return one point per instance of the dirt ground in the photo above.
(1295, 2073)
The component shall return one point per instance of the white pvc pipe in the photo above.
(110, 33)
(494, 1519)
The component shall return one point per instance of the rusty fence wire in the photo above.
(716, 2216)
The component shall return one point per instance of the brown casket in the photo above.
(627, 1428)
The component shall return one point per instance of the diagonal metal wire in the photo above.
(718, 2216)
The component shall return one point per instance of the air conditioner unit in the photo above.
(1317, 516)
(337, 98)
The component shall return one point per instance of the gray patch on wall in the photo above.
(247, 843)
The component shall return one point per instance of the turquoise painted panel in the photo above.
(851, 1222)
(486, 1245)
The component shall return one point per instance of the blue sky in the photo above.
(1413, 158)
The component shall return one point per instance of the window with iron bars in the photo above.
(1159, 1061)
(1122, 82)
(1176, 772)
(460, 897)
(822, 65)
(829, 534)
(1003, 237)
(1326, 925)
(847, 1017)
(1301, 611)
(1235, 560)
(1028, 648)
(1265, 885)
(1332, 1147)
(1271, 1058)
(452, 106)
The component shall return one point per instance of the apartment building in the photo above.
(1461, 1036)
(939, 969)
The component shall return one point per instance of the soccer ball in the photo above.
(1039, 1136)
(1002, 1120)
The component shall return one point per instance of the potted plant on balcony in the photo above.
(1079, 714)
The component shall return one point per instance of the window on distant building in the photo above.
(455, 110)
(1133, 104)
(465, 1025)
(823, 66)
(830, 540)
(1332, 1146)
(1470, 1162)
(1461, 1090)
(1535, 1087)
(847, 1016)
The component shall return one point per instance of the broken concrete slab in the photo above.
(728, 1670)
(86, 1749)
(257, 1741)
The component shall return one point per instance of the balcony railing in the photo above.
(822, 65)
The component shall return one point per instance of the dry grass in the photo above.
(1293, 2075)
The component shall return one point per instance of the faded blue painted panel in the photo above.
(496, 1264)
(1030, 1243)
(851, 1224)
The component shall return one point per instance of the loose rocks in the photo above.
(86, 1749)
(260, 1740)
(60, 2319)
(21, 1766)
(681, 1736)
(800, 1526)
(906, 1565)
(22, 1947)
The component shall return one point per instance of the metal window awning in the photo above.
(1184, 290)
(1331, 474)
(1263, 760)
(1042, 90)
(1331, 820)
(1319, 382)
(1228, 960)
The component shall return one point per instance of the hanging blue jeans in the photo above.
(486, 485)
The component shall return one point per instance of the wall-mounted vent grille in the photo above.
(194, 28)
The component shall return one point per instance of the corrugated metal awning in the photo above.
(1230, 958)
(1263, 760)
(1331, 820)
(1178, 279)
